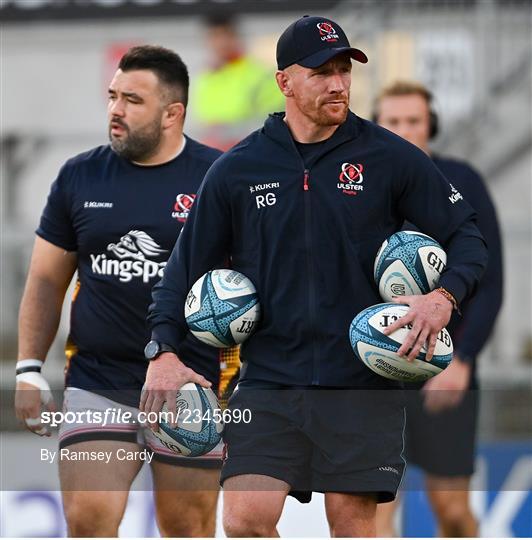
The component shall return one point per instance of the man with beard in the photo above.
(301, 207)
(113, 215)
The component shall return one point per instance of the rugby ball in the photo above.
(222, 308)
(408, 262)
(379, 352)
(199, 422)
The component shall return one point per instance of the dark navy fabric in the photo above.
(324, 440)
(310, 252)
(309, 151)
(123, 221)
(442, 443)
(471, 331)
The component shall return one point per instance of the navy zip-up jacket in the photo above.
(307, 238)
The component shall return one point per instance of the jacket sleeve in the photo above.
(202, 245)
(426, 199)
(481, 312)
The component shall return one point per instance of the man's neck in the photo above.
(305, 130)
(168, 150)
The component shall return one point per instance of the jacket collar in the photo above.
(275, 128)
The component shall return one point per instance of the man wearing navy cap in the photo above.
(301, 207)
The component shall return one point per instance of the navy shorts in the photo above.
(442, 444)
(316, 439)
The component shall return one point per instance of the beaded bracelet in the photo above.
(449, 297)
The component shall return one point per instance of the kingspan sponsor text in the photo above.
(126, 270)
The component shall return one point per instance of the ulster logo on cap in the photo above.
(327, 32)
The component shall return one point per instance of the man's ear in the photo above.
(175, 112)
(284, 82)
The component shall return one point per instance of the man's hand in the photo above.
(28, 401)
(447, 389)
(428, 315)
(166, 375)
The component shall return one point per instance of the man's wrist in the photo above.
(155, 348)
(29, 365)
(29, 372)
(168, 355)
(446, 294)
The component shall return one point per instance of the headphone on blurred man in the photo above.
(406, 88)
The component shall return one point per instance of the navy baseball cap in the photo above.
(312, 41)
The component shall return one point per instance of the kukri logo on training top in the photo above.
(351, 178)
(132, 258)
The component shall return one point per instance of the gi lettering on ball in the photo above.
(408, 262)
(222, 308)
(379, 352)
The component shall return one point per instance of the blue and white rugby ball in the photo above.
(222, 308)
(379, 352)
(407, 263)
(199, 424)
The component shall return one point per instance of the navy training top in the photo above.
(122, 220)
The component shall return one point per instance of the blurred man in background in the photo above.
(235, 93)
(113, 215)
(441, 419)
